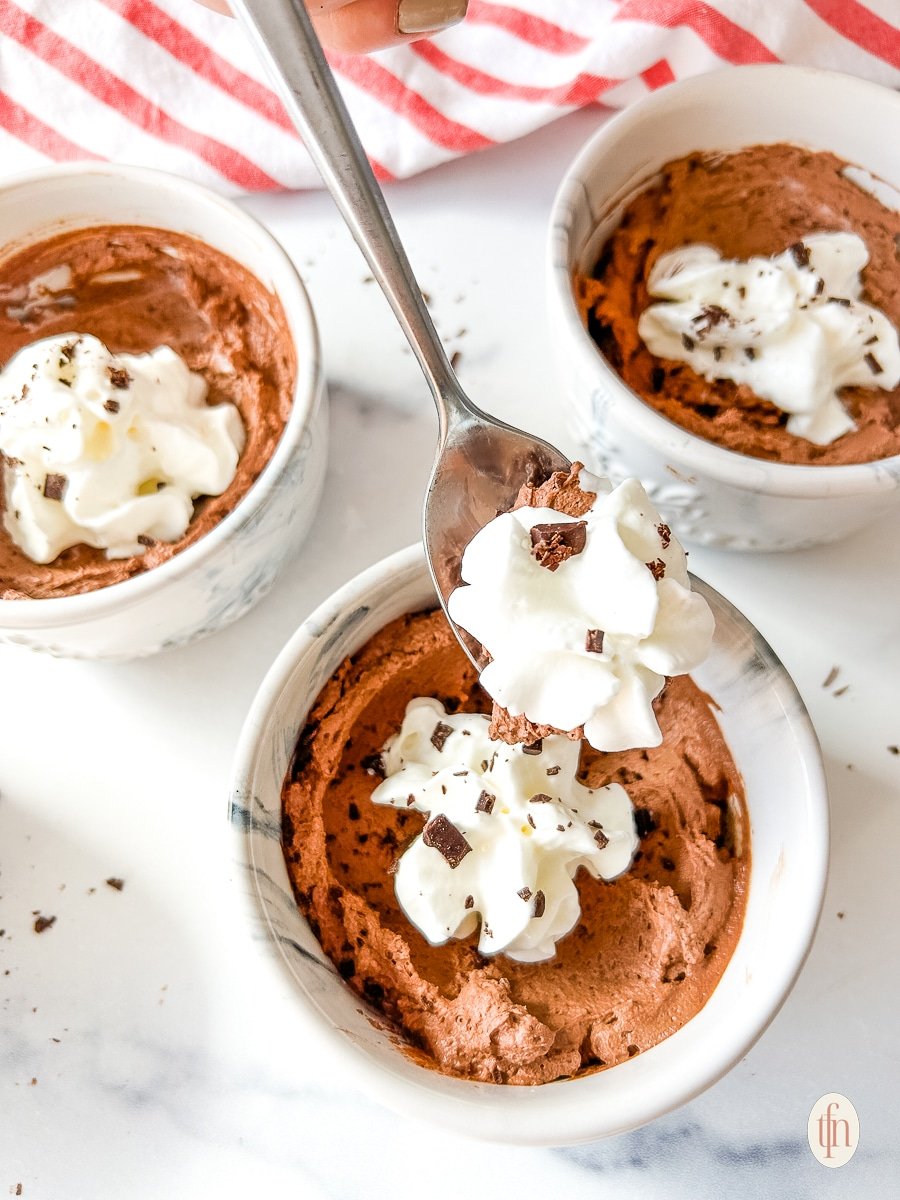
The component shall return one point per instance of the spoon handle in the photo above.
(283, 35)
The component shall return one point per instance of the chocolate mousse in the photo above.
(760, 201)
(137, 288)
(649, 947)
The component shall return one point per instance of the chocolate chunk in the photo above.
(111, 406)
(593, 642)
(531, 821)
(485, 802)
(115, 884)
(410, 800)
(800, 254)
(657, 568)
(540, 798)
(561, 828)
(687, 342)
(540, 903)
(873, 364)
(750, 353)
(601, 839)
(708, 318)
(443, 836)
(55, 486)
(553, 543)
(665, 534)
(470, 902)
(68, 351)
(553, 770)
(534, 747)
(43, 923)
(842, 300)
(373, 764)
(440, 735)
(146, 540)
(119, 377)
(524, 892)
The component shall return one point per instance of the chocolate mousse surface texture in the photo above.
(759, 201)
(649, 947)
(137, 288)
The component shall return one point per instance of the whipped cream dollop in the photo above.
(583, 617)
(508, 828)
(107, 449)
(792, 328)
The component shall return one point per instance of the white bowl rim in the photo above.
(689, 449)
(531, 1107)
(30, 612)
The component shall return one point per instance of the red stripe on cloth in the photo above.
(107, 87)
(527, 27)
(187, 48)
(583, 89)
(31, 130)
(658, 75)
(722, 35)
(375, 79)
(860, 25)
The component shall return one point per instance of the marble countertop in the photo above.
(148, 1048)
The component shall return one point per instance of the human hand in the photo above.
(357, 26)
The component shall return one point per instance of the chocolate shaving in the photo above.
(800, 254)
(708, 318)
(373, 764)
(540, 903)
(687, 342)
(750, 352)
(440, 735)
(531, 821)
(43, 923)
(443, 836)
(55, 486)
(601, 839)
(553, 543)
(540, 798)
(593, 642)
(485, 802)
(534, 747)
(410, 800)
(111, 406)
(146, 540)
(553, 770)
(842, 300)
(68, 351)
(665, 534)
(469, 902)
(873, 364)
(657, 568)
(831, 677)
(524, 892)
(115, 884)
(119, 377)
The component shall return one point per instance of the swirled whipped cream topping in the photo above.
(508, 828)
(792, 328)
(583, 618)
(107, 449)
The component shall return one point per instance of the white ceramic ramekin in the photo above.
(223, 574)
(712, 496)
(776, 751)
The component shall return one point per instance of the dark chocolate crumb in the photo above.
(440, 735)
(111, 406)
(534, 747)
(665, 534)
(42, 923)
(540, 798)
(831, 677)
(840, 916)
(540, 903)
(55, 486)
(553, 770)
(750, 353)
(873, 364)
(554, 542)
(601, 839)
(893, 749)
(442, 835)
(717, 353)
(115, 884)
(842, 300)
(531, 821)
(485, 802)
(119, 377)
(146, 540)
(470, 902)
(657, 568)
(524, 892)
(841, 690)
(800, 254)
(593, 641)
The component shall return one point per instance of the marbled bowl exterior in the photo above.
(223, 574)
(776, 751)
(711, 495)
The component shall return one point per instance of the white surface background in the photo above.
(149, 1049)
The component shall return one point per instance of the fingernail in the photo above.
(429, 16)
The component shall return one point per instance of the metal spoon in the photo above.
(481, 462)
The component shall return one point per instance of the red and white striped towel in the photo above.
(168, 84)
